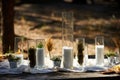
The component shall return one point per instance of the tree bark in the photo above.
(8, 25)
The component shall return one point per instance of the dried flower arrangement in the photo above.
(80, 54)
(32, 56)
(49, 46)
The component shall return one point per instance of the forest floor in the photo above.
(35, 21)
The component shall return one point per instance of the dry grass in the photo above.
(44, 20)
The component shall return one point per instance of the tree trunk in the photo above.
(8, 25)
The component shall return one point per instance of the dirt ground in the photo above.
(35, 21)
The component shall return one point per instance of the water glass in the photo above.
(112, 60)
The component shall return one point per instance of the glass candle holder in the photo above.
(99, 50)
(112, 60)
(81, 55)
(67, 39)
(117, 56)
(80, 50)
(31, 53)
(18, 44)
(40, 53)
(19, 48)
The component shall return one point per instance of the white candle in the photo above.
(40, 57)
(99, 55)
(67, 57)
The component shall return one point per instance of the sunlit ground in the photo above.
(44, 20)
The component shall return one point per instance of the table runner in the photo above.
(5, 68)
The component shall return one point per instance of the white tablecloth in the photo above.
(90, 66)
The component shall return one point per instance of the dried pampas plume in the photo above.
(49, 46)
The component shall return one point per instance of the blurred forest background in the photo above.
(36, 19)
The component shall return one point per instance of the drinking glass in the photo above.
(19, 48)
(99, 50)
(40, 53)
(18, 45)
(117, 56)
(31, 52)
(112, 60)
(82, 55)
(67, 39)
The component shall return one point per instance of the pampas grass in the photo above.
(49, 46)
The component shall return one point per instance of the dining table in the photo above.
(61, 76)
(92, 73)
